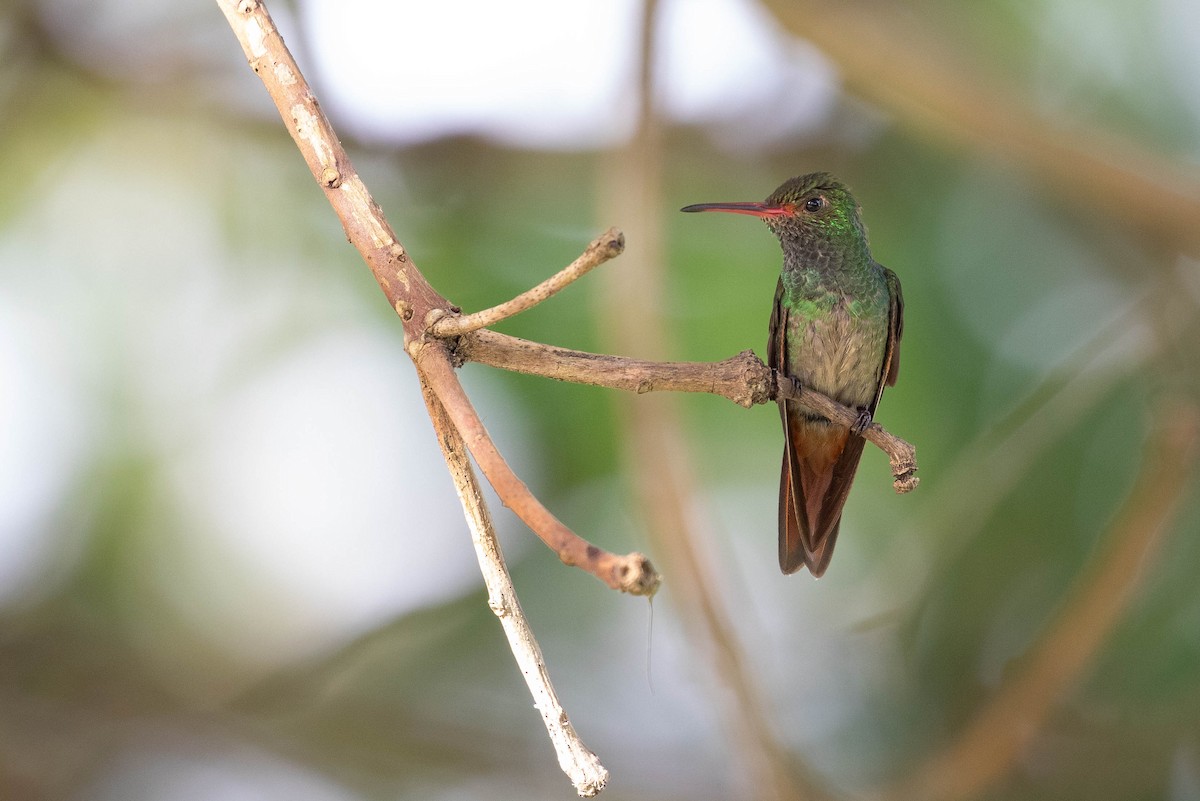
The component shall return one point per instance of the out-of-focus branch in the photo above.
(657, 451)
(580, 765)
(887, 59)
(990, 744)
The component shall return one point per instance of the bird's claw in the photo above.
(862, 423)
(779, 378)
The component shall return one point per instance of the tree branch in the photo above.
(901, 454)
(435, 337)
(740, 378)
(743, 379)
(418, 304)
(575, 759)
(366, 228)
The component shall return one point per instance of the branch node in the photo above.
(331, 178)
(757, 378)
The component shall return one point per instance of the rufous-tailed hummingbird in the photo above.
(835, 328)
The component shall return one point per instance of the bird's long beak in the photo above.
(755, 209)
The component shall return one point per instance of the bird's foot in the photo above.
(779, 379)
(862, 423)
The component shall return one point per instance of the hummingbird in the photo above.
(835, 328)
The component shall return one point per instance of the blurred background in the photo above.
(232, 565)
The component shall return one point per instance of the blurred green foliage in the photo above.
(1041, 340)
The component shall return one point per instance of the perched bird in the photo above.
(835, 328)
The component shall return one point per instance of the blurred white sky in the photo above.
(548, 74)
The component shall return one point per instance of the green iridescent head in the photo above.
(813, 207)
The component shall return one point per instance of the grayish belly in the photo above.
(839, 354)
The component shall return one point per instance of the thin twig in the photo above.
(1010, 721)
(575, 759)
(604, 247)
(657, 448)
(743, 379)
(631, 573)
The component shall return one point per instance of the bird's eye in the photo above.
(814, 204)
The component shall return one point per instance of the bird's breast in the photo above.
(836, 346)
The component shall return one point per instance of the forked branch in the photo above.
(437, 338)
(632, 573)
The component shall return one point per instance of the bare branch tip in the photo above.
(637, 575)
(614, 242)
(591, 788)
